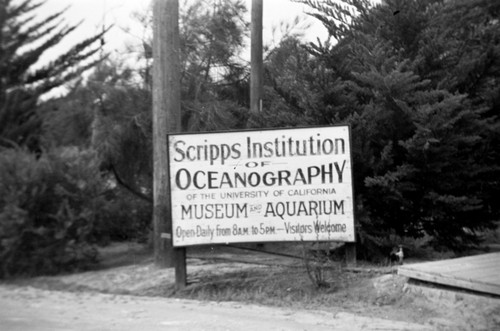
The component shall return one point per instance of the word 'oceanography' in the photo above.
(201, 179)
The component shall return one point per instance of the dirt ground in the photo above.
(276, 282)
(34, 309)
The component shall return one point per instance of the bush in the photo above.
(122, 216)
(47, 211)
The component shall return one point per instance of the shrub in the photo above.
(122, 216)
(47, 211)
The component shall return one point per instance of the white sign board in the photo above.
(260, 186)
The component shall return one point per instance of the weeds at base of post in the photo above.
(321, 268)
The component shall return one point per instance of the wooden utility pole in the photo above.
(257, 68)
(166, 119)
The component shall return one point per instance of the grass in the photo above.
(278, 286)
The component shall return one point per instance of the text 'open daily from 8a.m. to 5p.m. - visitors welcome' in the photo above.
(261, 186)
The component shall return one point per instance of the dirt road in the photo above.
(28, 308)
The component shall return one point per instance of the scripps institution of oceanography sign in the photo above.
(261, 186)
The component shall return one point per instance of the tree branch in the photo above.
(130, 188)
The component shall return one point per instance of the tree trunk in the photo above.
(166, 119)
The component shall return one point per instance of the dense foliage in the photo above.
(108, 116)
(46, 199)
(418, 81)
(56, 207)
(48, 209)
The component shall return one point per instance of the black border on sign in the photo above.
(256, 130)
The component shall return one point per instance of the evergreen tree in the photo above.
(23, 40)
(421, 80)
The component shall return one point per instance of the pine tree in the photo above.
(23, 40)
(422, 78)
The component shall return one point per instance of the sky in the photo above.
(126, 30)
